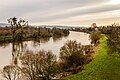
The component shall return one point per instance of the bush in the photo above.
(95, 37)
(72, 55)
(41, 65)
(11, 72)
(113, 40)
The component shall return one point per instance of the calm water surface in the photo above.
(8, 51)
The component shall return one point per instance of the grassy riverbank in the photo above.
(103, 67)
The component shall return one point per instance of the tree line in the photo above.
(20, 30)
(113, 41)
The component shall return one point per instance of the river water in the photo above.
(8, 50)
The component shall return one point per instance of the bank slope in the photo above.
(103, 67)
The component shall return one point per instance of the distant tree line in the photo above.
(20, 30)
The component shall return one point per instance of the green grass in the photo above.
(103, 67)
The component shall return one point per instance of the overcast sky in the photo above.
(62, 12)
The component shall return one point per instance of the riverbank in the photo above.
(103, 67)
(30, 33)
(9, 50)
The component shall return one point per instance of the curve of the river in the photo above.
(53, 44)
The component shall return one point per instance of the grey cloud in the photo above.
(72, 13)
(52, 10)
(19, 8)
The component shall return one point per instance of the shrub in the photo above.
(41, 65)
(95, 37)
(72, 55)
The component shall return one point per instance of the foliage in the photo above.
(17, 28)
(103, 67)
(94, 25)
(20, 30)
(11, 72)
(71, 54)
(95, 36)
(60, 32)
(113, 41)
(41, 65)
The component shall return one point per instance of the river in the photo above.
(54, 44)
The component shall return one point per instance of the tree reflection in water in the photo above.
(18, 48)
(36, 42)
(4, 45)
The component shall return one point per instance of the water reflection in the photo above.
(4, 44)
(17, 49)
(55, 38)
(10, 52)
(36, 42)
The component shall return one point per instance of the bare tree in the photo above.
(50, 67)
(17, 27)
(37, 66)
(11, 72)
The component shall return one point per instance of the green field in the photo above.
(103, 67)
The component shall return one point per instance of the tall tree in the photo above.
(94, 25)
(17, 27)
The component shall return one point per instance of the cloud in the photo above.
(76, 12)
(52, 11)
